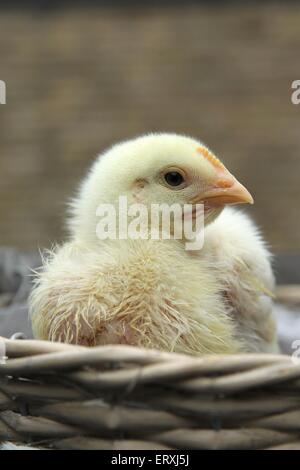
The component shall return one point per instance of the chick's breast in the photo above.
(153, 295)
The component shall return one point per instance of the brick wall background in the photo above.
(79, 79)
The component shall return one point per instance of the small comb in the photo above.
(210, 157)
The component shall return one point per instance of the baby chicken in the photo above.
(155, 292)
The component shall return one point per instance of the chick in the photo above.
(155, 292)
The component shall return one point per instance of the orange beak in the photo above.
(224, 189)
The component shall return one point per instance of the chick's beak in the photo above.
(225, 189)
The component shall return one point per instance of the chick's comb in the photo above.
(210, 157)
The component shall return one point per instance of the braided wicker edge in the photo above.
(55, 395)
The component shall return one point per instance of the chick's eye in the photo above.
(174, 178)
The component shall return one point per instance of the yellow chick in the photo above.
(153, 292)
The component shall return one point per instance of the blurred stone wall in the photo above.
(80, 79)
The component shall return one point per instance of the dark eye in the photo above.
(174, 178)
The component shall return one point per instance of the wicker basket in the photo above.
(54, 395)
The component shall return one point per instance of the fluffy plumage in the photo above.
(155, 293)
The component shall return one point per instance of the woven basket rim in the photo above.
(125, 397)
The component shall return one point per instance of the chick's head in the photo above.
(157, 169)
